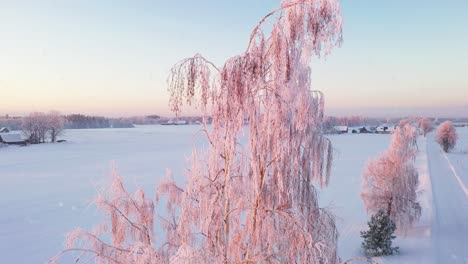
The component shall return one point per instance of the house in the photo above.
(4, 130)
(385, 129)
(364, 130)
(12, 139)
(175, 123)
(340, 129)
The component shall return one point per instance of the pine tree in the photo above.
(378, 239)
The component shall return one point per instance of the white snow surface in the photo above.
(45, 189)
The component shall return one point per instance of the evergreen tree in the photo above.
(378, 239)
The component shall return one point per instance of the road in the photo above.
(450, 212)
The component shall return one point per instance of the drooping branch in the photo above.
(188, 77)
(313, 25)
(251, 194)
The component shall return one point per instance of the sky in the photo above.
(112, 58)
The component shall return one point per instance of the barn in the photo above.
(12, 139)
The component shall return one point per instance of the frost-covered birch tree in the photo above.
(447, 136)
(390, 181)
(425, 125)
(253, 203)
(55, 125)
(34, 127)
(257, 203)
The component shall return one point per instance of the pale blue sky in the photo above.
(112, 57)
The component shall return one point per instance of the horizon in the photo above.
(378, 117)
(113, 59)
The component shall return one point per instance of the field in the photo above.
(45, 189)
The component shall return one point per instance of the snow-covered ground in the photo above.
(45, 189)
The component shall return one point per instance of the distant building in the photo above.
(12, 139)
(460, 124)
(385, 129)
(340, 129)
(175, 123)
(364, 130)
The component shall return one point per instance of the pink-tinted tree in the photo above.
(447, 136)
(425, 125)
(390, 181)
(257, 203)
(405, 121)
(253, 203)
(130, 229)
(404, 142)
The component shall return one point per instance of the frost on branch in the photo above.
(447, 136)
(425, 125)
(130, 230)
(255, 203)
(390, 181)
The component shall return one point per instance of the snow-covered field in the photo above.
(45, 189)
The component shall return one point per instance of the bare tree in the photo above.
(243, 204)
(447, 136)
(391, 180)
(55, 125)
(34, 126)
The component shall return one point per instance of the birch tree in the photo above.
(253, 203)
(55, 125)
(390, 181)
(447, 136)
(425, 125)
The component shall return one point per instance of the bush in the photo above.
(378, 239)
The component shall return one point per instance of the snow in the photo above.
(45, 189)
(11, 137)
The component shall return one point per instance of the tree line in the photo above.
(79, 121)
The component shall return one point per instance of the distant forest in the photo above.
(74, 121)
(80, 121)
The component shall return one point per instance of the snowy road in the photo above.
(450, 219)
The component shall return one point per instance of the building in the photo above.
(12, 139)
(4, 130)
(340, 129)
(175, 123)
(385, 129)
(365, 130)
